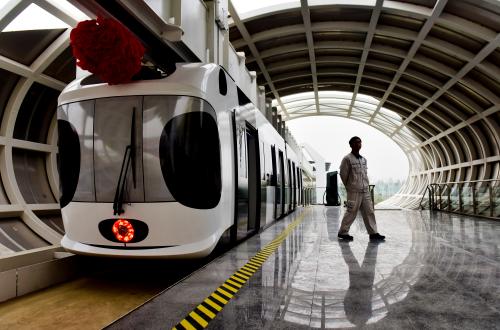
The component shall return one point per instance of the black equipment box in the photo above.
(332, 189)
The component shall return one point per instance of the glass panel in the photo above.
(467, 199)
(442, 197)
(3, 196)
(63, 68)
(241, 141)
(455, 198)
(113, 133)
(15, 236)
(36, 113)
(295, 97)
(53, 220)
(8, 81)
(35, 18)
(483, 199)
(81, 116)
(156, 116)
(33, 43)
(244, 6)
(31, 176)
(72, 10)
(496, 199)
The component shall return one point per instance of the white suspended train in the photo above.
(169, 167)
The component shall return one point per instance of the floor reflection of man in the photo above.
(358, 299)
(332, 217)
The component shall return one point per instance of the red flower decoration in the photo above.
(107, 49)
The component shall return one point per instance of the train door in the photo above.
(247, 168)
(289, 187)
(254, 204)
(295, 185)
(299, 186)
(274, 183)
(281, 184)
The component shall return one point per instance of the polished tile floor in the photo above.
(435, 271)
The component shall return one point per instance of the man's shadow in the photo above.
(358, 299)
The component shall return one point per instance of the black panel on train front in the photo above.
(190, 159)
(222, 82)
(141, 230)
(68, 160)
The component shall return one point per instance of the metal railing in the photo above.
(480, 198)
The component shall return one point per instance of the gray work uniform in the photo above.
(353, 173)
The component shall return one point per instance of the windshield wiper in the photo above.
(128, 157)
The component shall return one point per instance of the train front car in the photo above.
(146, 167)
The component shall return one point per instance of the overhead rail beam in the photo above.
(255, 53)
(160, 38)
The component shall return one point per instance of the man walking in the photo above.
(353, 173)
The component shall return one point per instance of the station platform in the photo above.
(435, 270)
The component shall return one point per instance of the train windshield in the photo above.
(174, 144)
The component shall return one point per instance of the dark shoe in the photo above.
(377, 237)
(345, 237)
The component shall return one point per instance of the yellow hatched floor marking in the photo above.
(227, 287)
(252, 266)
(187, 325)
(239, 273)
(255, 263)
(238, 279)
(198, 319)
(245, 272)
(224, 292)
(206, 311)
(219, 298)
(234, 283)
(213, 305)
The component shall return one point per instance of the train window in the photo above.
(288, 175)
(181, 152)
(68, 163)
(222, 82)
(281, 169)
(242, 150)
(117, 125)
(262, 151)
(274, 174)
(80, 116)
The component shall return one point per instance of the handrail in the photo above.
(457, 197)
(428, 188)
(471, 181)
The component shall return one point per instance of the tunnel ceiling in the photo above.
(426, 73)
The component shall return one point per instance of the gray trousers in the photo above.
(356, 201)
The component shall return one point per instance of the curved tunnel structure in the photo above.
(425, 73)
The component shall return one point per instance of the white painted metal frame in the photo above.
(30, 75)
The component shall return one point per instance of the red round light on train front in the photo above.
(123, 230)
